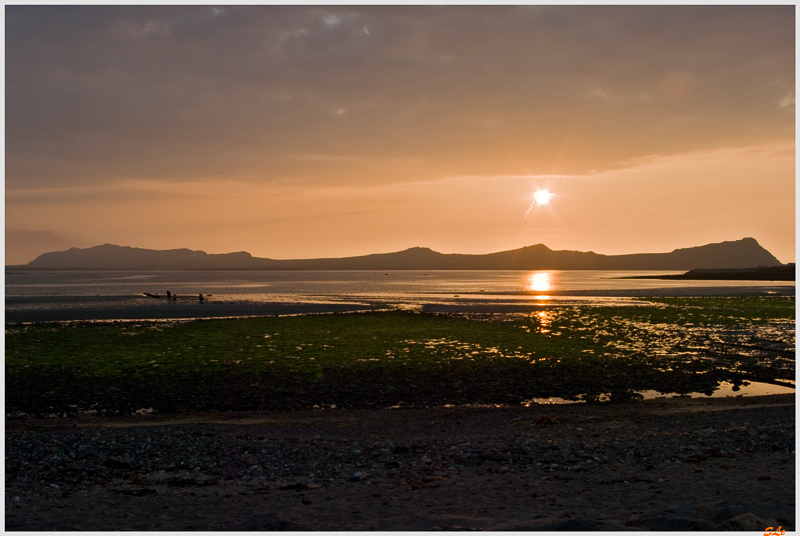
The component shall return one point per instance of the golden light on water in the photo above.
(539, 281)
(545, 320)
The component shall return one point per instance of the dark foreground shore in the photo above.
(665, 464)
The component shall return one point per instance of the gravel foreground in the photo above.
(665, 464)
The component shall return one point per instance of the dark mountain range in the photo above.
(744, 253)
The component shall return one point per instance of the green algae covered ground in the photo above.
(382, 359)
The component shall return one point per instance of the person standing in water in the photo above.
(201, 298)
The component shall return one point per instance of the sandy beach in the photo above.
(664, 464)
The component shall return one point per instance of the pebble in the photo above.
(198, 455)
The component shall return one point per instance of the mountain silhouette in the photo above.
(744, 253)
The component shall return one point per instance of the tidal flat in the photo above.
(228, 424)
(385, 359)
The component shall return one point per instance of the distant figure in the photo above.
(168, 295)
(201, 298)
(174, 297)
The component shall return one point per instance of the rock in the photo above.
(573, 525)
(544, 420)
(657, 522)
(262, 522)
(186, 481)
(114, 463)
(748, 522)
(299, 486)
(135, 492)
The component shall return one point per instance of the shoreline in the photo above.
(667, 464)
(185, 311)
(659, 405)
(468, 303)
(784, 272)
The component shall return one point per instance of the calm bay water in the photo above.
(87, 295)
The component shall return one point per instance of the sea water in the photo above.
(54, 289)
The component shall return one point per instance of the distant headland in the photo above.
(739, 254)
(783, 272)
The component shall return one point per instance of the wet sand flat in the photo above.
(25, 310)
(165, 311)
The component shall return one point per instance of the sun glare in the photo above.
(539, 281)
(542, 196)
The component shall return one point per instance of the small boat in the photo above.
(150, 295)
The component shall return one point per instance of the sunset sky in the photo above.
(325, 131)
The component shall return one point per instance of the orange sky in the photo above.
(316, 131)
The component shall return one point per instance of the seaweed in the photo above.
(396, 358)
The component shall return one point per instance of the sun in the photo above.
(542, 196)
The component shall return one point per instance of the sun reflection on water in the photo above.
(545, 320)
(541, 281)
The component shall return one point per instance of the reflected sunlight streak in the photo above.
(544, 318)
(539, 282)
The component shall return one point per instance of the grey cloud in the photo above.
(95, 92)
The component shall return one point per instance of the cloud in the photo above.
(99, 93)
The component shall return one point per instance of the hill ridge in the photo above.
(743, 253)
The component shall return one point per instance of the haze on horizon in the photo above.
(332, 131)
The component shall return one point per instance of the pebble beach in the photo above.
(664, 464)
